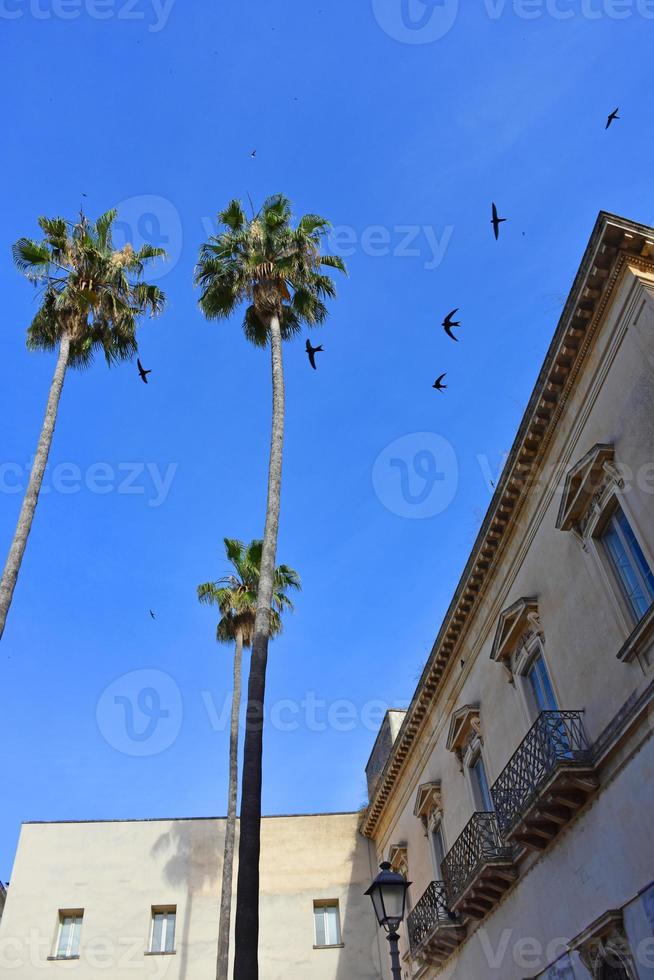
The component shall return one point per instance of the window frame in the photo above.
(327, 903)
(608, 519)
(166, 911)
(593, 544)
(474, 755)
(436, 829)
(533, 651)
(71, 952)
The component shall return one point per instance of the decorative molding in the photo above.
(465, 728)
(605, 943)
(516, 625)
(398, 857)
(429, 804)
(615, 245)
(584, 487)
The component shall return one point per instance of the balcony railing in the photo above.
(430, 912)
(478, 845)
(557, 738)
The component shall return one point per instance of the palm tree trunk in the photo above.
(31, 498)
(246, 961)
(222, 965)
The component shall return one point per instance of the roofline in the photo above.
(389, 711)
(613, 240)
(270, 816)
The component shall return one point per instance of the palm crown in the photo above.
(91, 290)
(235, 594)
(269, 264)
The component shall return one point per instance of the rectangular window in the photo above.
(163, 930)
(629, 563)
(68, 936)
(483, 798)
(327, 923)
(541, 686)
(439, 851)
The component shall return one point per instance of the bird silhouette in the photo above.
(614, 115)
(448, 323)
(253, 154)
(312, 351)
(438, 383)
(496, 221)
(142, 372)
(152, 614)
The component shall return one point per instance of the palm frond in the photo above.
(30, 257)
(254, 328)
(334, 262)
(103, 228)
(233, 216)
(309, 224)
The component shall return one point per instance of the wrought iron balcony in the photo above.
(549, 777)
(479, 868)
(434, 931)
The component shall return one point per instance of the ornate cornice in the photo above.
(614, 242)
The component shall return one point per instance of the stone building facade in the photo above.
(518, 795)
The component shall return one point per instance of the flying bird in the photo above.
(496, 221)
(448, 323)
(152, 614)
(142, 372)
(438, 383)
(614, 115)
(312, 351)
(253, 154)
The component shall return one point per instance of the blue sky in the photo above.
(403, 146)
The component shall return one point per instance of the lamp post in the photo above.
(388, 894)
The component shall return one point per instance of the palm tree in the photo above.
(276, 269)
(92, 298)
(235, 595)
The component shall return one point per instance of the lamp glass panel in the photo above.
(378, 904)
(393, 899)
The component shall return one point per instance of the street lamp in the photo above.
(388, 894)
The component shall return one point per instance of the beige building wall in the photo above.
(117, 871)
(603, 859)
